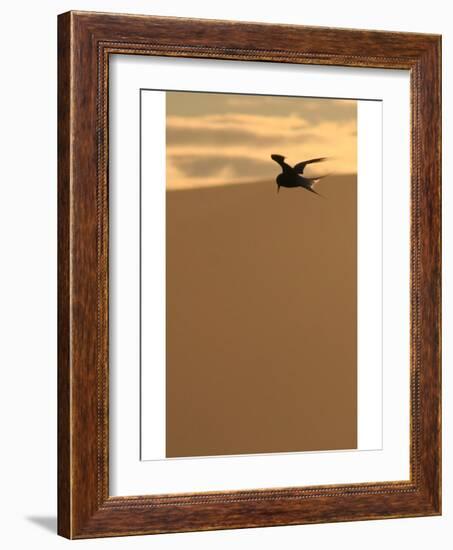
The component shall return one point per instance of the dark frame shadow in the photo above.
(48, 523)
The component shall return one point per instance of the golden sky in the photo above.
(219, 139)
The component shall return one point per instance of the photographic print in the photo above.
(261, 274)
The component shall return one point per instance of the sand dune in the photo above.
(261, 319)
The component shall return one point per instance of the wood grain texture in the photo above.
(64, 425)
(85, 42)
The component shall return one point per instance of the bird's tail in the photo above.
(313, 181)
(315, 192)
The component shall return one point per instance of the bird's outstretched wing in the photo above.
(299, 167)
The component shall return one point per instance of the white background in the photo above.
(28, 273)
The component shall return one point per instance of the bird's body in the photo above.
(292, 176)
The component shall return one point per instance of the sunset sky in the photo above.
(218, 139)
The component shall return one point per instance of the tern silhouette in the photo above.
(291, 176)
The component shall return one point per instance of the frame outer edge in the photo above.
(438, 236)
(64, 340)
(431, 203)
(427, 273)
(80, 161)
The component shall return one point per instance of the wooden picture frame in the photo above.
(85, 42)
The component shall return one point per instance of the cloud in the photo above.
(229, 136)
(213, 166)
(213, 139)
(194, 105)
(258, 123)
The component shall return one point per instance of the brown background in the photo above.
(261, 319)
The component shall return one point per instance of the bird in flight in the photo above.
(291, 176)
